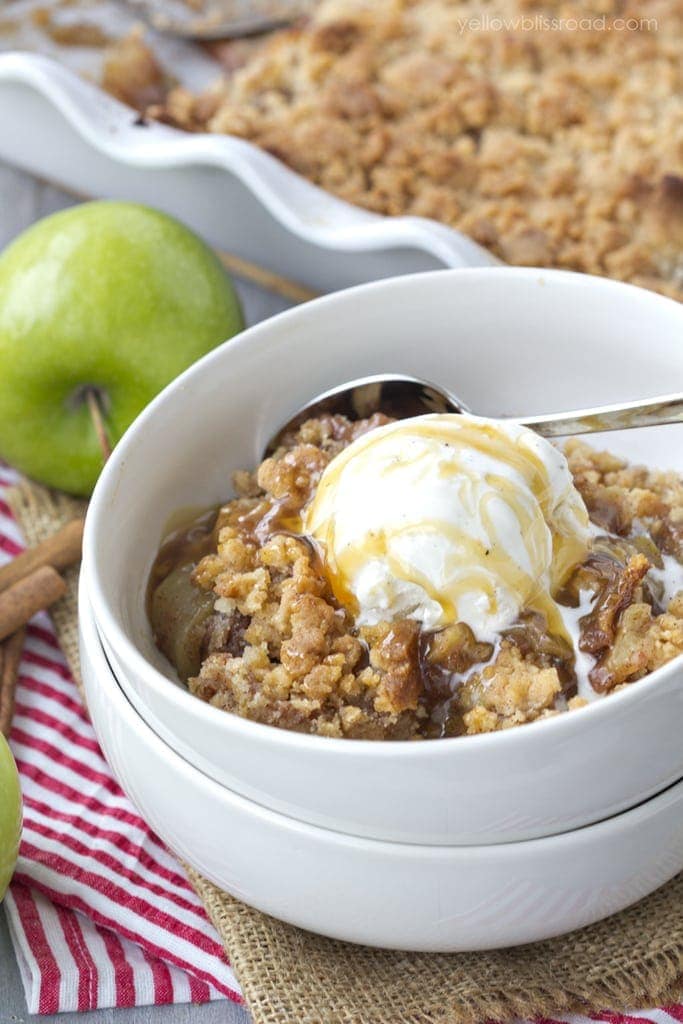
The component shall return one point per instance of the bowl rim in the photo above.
(256, 335)
(149, 737)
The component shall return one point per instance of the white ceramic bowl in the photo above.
(508, 341)
(406, 896)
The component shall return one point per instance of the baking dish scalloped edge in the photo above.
(307, 212)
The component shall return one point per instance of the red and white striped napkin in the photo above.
(100, 913)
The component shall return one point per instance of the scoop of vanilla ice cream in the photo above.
(449, 518)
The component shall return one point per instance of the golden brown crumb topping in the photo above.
(132, 74)
(553, 146)
(260, 633)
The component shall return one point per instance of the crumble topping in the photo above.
(552, 148)
(132, 74)
(267, 639)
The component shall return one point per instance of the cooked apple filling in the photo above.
(243, 604)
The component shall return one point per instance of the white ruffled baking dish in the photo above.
(62, 128)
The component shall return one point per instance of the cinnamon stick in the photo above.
(20, 602)
(60, 550)
(10, 656)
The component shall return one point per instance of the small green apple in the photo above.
(106, 295)
(10, 815)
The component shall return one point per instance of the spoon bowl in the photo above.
(218, 19)
(393, 394)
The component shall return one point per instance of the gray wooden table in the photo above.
(24, 200)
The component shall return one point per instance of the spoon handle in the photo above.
(651, 413)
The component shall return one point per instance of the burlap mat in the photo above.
(289, 976)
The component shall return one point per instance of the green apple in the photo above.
(10, 815)
(109, 296)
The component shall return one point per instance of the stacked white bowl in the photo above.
(464, 843)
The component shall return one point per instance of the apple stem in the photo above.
(96, 411)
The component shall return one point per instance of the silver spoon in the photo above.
(208, 20)
(401, 396)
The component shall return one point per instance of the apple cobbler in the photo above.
(275, 611)
(555, 147)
